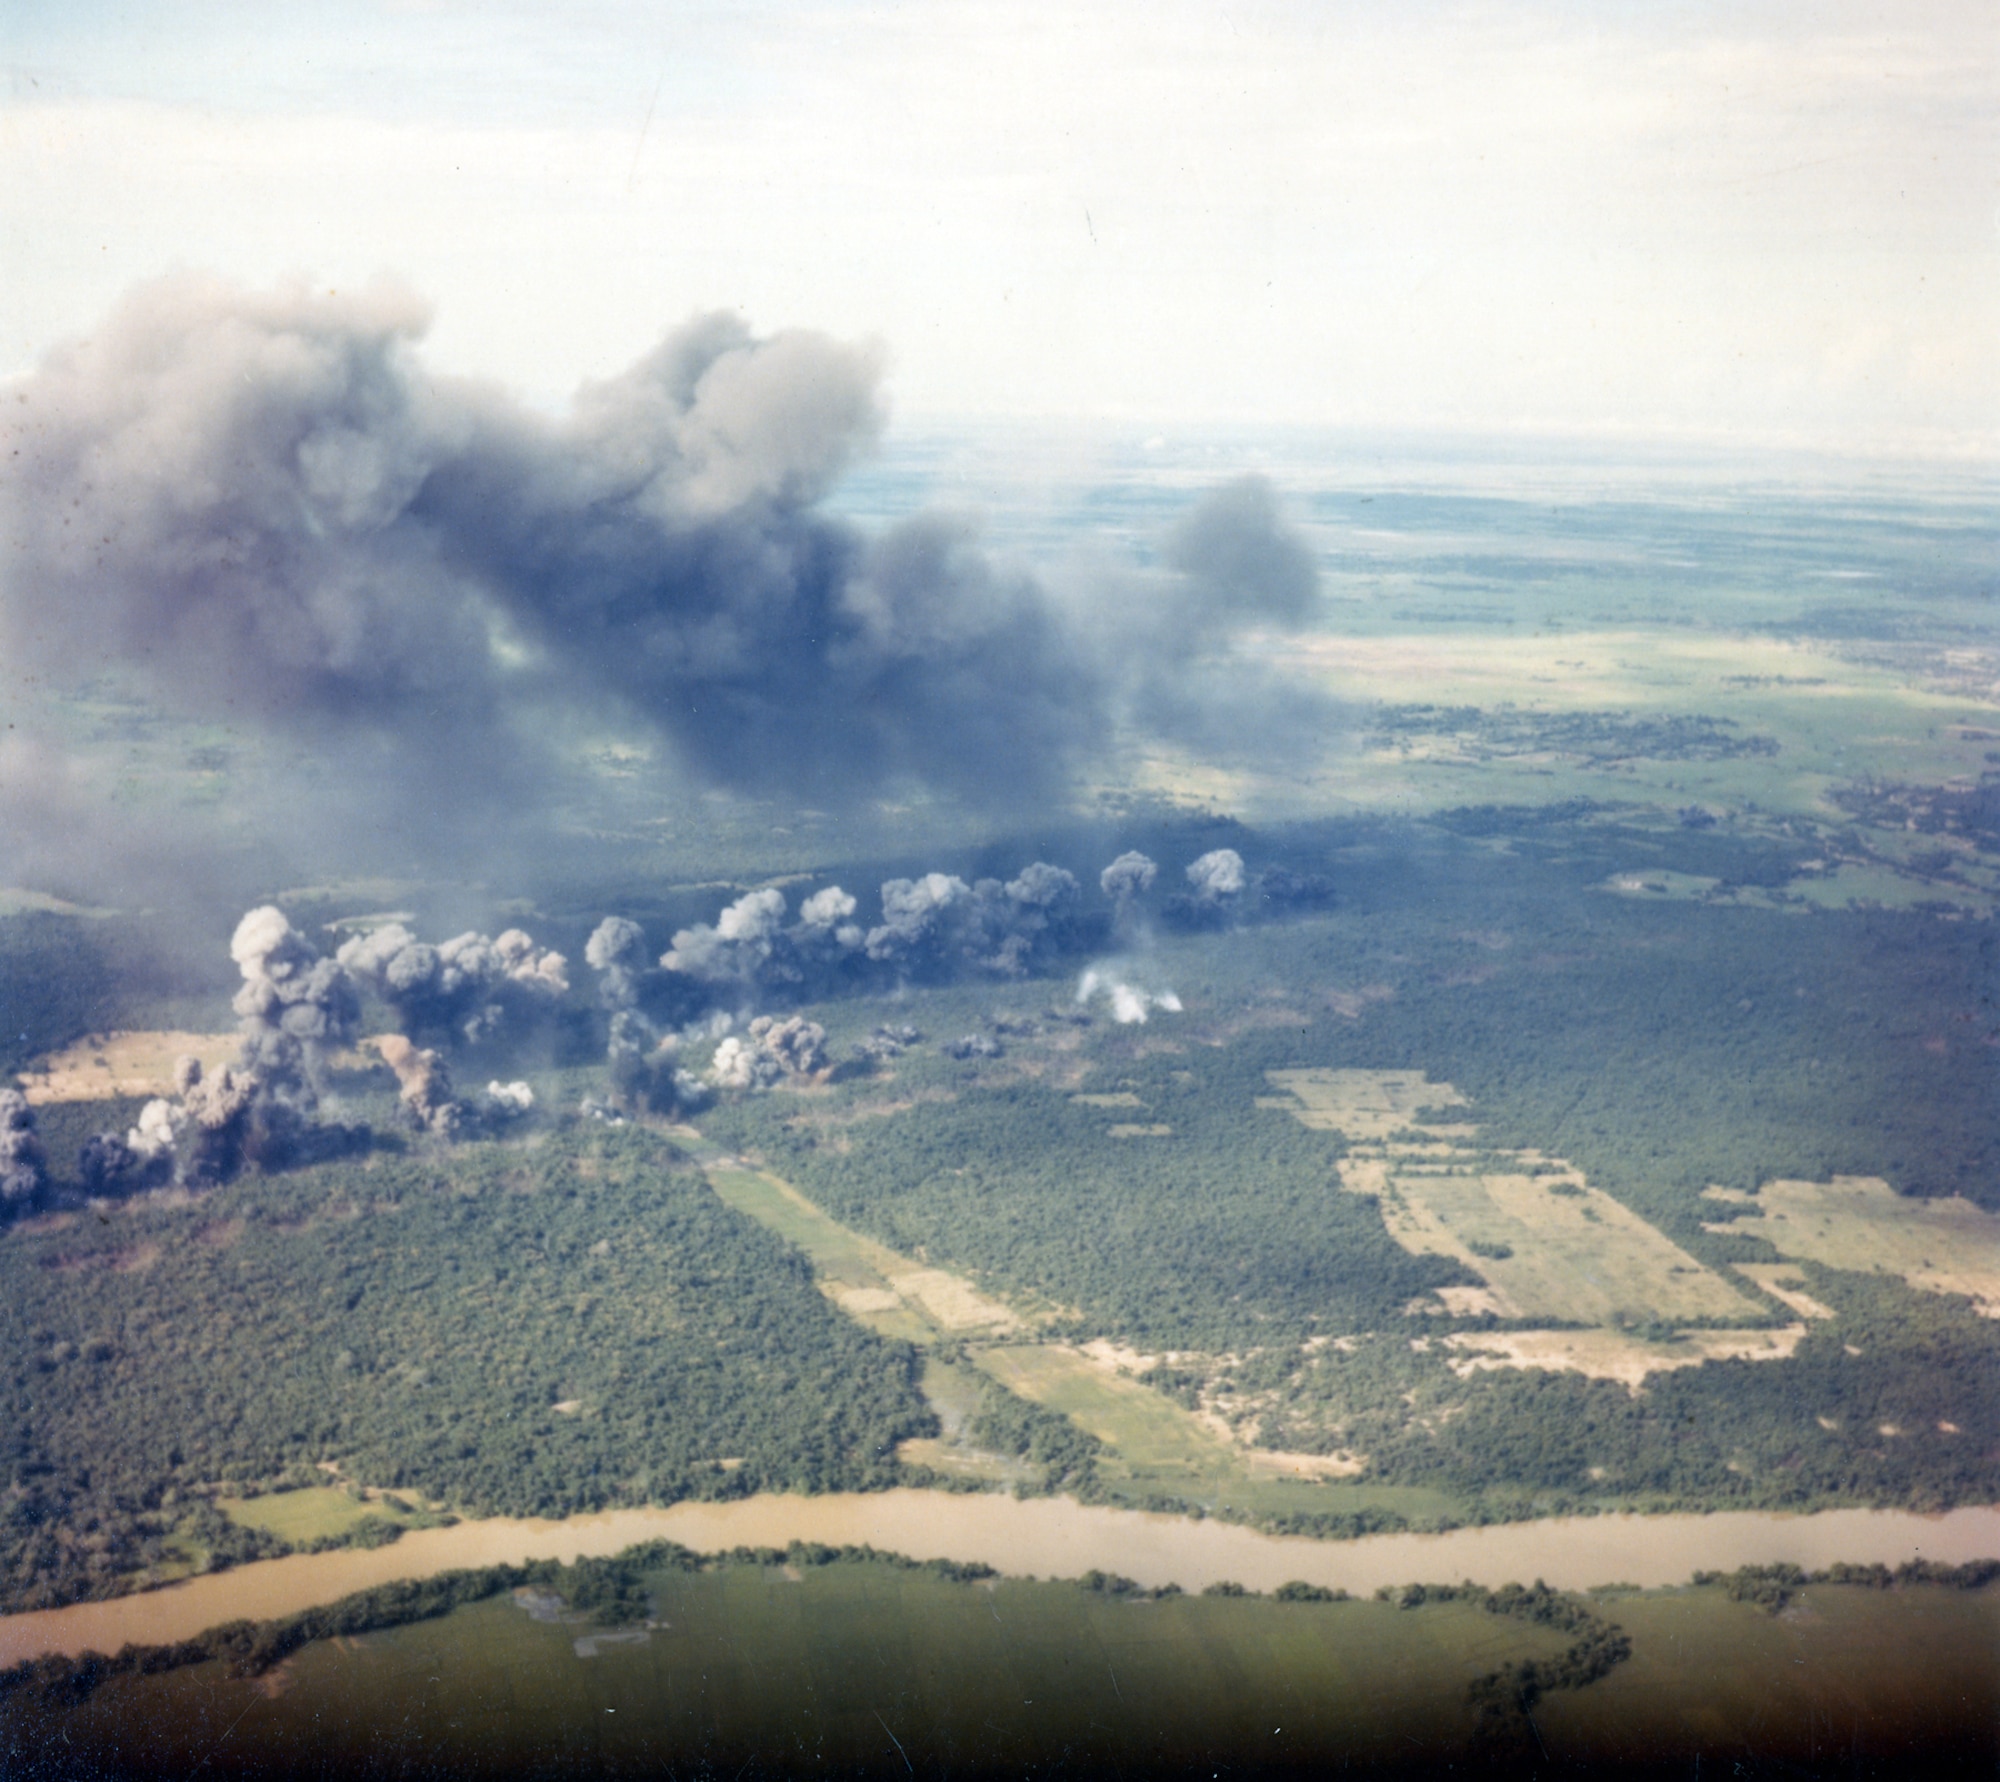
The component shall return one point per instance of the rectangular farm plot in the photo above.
(1861, 1223)
(1546, 1243)
(1364, 1105)
(1577, 1256)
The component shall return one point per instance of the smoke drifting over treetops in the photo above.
(261, 506)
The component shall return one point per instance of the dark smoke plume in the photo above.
(262, 503)
(23, 1161)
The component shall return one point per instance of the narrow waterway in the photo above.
(1044, 1537)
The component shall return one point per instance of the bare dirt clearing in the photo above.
(106, 1065)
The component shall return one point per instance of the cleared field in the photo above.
(123, 1064)
(1615, 1355)
(305, 1515)
(1861, 1223)
(1363, 1105)
(1577, 1255)
(1155, 1442)
(853, 1272)
(1545, 1243)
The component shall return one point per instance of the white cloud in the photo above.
(1710, 220)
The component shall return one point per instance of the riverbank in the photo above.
(1042, 1537)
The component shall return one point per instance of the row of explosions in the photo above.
(937, 927)
(295, 1010)
(934, 928)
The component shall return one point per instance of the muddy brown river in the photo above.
(1043, 1537)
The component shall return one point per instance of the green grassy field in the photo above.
(1845, 1680)
(300, 1517)
(834, 1670)
(866, 1668)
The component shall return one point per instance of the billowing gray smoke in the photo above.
(936, 926)
(467, 990)
(294, 1008)
(23, 1162)
(641, 1058)
(774, 1051)
(939, 925)
(263, 504)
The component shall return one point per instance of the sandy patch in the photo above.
(1353, 1004)
(118, 1262)
(1117, 1357)
(1275, 1463)
(858, 1300)
(134, 1064)
(1613, 1355)
(1129, 1131)
(1123, 1099)
(1470, 1302)
(1781, 1281)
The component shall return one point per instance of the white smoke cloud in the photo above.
(1130, 1004)
(1217, 877)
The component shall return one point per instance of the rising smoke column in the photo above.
(639, 1055)
(294, 1007)
(1125, 881)
(424, 1082)
(616, 951)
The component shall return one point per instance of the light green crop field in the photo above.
(1152, 1434)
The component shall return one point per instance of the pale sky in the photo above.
(1757, 222)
